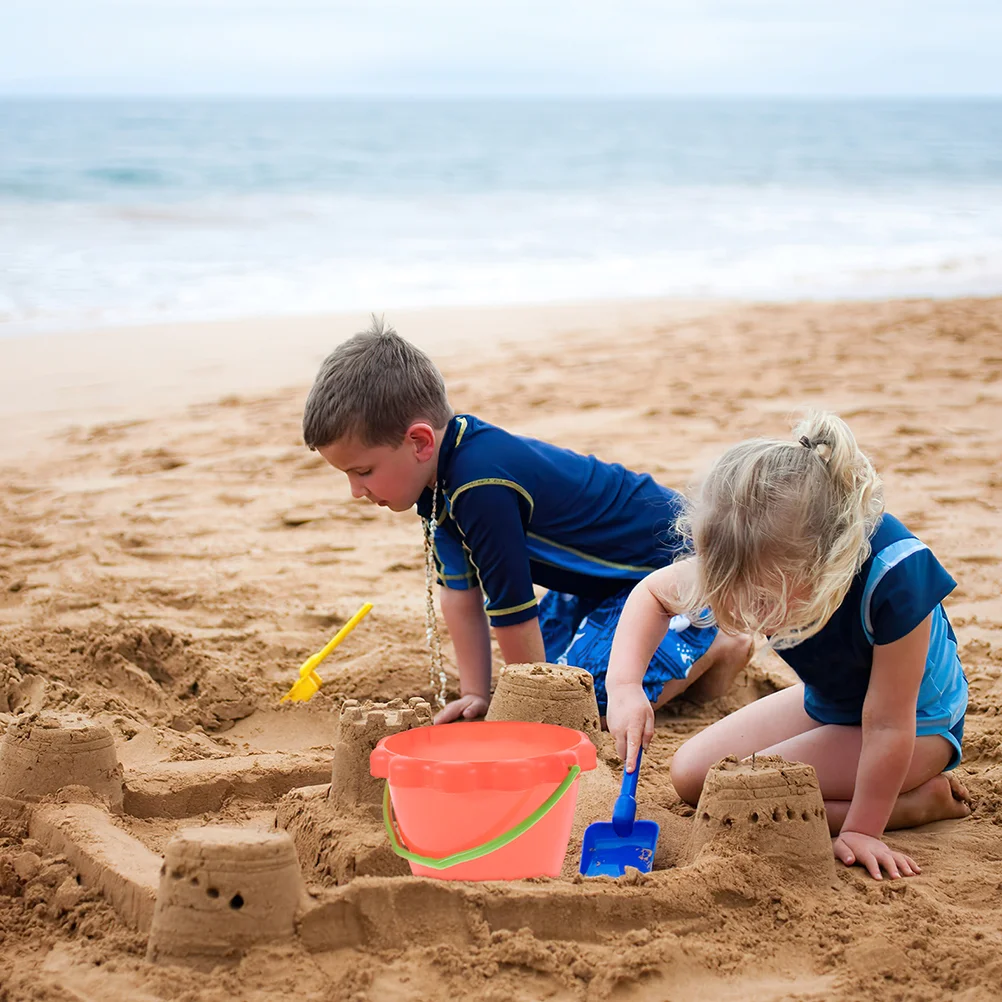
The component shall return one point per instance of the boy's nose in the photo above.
(357, 490)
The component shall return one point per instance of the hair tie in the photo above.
(823, 449)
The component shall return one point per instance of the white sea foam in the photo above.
(198, 211)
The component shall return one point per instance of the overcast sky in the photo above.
(457, 47)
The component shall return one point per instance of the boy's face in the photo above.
(392, 476)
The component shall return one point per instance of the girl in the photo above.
(790, 539)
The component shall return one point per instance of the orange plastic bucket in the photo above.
(486, 800)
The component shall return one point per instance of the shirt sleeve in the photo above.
(907, 592)
(491, 519)
(454, 569)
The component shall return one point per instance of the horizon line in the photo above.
(498, 95)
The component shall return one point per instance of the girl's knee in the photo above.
(688, 773)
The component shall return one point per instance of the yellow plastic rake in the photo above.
(309, 681)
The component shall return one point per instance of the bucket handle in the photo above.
(444, 862)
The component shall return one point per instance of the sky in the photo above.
(472, 47)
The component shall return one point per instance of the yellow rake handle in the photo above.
(309, 666)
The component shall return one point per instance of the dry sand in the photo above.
(163, 574)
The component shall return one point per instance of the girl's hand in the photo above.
(630, 718)
(855, 847)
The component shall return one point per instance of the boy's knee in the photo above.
(734, 653)
(687, 775)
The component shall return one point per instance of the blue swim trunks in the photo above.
(579, 631)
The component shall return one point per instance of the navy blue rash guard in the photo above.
(513, 511)
(900, 584)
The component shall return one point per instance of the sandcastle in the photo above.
(360, 728)
(337, 828)
(223, 890)
(543, 692)
(45, 753)
(220, 891)
(766, 806)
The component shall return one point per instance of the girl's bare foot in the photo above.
(937, 799)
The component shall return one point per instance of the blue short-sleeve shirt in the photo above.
(899, 585)
(513, 512)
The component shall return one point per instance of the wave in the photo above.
(134, 211)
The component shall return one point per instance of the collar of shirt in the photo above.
(448, 447)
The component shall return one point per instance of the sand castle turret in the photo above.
(769, 807)
(555, 694)
(360, 727)
(223, 890)
(44, 753)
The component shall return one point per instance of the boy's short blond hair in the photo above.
(373, 387)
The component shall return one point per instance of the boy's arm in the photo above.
(490, 515)
(464, 615)
(522, 643)
(467, 622)
(888, 745)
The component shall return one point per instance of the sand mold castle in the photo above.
(326, 872)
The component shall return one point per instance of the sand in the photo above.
(169, 554)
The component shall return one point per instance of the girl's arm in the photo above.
(888, 745)
(642, 626)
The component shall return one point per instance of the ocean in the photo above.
(120, 211)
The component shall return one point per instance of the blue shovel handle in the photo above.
(625, 810)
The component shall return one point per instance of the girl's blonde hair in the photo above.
(780, 529)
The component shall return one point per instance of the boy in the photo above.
(509, 512)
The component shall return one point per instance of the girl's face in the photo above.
(763, 608)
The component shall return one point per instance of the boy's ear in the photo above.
(421, 437)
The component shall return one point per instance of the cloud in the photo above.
(552, 46)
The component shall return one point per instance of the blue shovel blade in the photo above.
(605, 852)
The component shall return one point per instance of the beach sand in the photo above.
(170, 553)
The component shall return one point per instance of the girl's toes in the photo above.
(959, 791)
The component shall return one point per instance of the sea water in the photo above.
(120, 211)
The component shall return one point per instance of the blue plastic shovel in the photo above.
(609, 848)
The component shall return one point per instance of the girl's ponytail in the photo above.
(781, 529)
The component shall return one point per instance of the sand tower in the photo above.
(223, 890)
(43, 753)
(340, 831)
(360, 727)
(769, 807)
(555, 694)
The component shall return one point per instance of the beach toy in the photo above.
(610, 847)
(482, 800)
(309, 681)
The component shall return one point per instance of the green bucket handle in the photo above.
(476, 852)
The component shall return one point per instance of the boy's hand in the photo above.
(630, 717)
(870, 852)
(469, 707)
